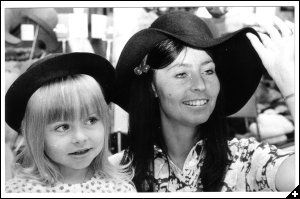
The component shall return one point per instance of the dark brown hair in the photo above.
(145, 127)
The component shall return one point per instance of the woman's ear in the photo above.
(154, 89)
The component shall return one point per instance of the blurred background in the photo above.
(32, 33)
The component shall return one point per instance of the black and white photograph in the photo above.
(149, 99)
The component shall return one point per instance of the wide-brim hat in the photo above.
(238, 66)
(50, 68)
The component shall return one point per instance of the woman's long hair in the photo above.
(65, 99)
(145, 127)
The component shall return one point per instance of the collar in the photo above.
(158, 152)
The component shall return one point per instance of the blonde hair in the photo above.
(64, 99)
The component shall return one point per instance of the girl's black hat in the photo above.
(50, 68)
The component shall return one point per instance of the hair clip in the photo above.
(138, 71)
(141, 69)
(145, 68)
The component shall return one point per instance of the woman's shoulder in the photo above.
(252, 147)
(243, 142)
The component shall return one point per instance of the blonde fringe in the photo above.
(43, 170)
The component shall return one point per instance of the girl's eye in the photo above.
(92, 120)
(181, 75)
(62, 128)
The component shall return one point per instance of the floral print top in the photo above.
(253, 168)
(97, 184)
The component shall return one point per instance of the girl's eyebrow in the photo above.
(54, 124)
(59, 121)
(93, 115)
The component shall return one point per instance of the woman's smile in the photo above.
(196, 102)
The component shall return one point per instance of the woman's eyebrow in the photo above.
(189, 65)
(180, 65)
(207, 62)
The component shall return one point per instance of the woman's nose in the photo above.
(197, 82)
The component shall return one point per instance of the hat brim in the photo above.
(238, 65)
(46, 34)
(50, 68)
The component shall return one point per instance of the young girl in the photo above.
(60, 107)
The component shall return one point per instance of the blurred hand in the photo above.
(276, 51)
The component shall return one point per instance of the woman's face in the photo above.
(187, 88)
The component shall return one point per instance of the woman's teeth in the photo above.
(196, 102)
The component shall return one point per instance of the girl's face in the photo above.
(188, 88)
(74, 144)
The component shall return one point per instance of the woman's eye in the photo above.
(62, 128)
(181, 75)
(209, 72)
(92, 120)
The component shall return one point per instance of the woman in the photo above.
(178, 84)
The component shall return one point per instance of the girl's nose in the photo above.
(79, 136)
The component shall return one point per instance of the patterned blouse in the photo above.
(253, 168)
(98, 183)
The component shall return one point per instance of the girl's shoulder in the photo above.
(14, 185)
(124, 187)
(22, 185)
(110, 185)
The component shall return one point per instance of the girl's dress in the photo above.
(98, 183)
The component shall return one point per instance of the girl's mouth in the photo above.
(80, 152)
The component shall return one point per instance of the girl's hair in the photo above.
(66, 99)
(145, 127)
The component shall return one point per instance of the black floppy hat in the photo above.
(50, 68)
(238, 66)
